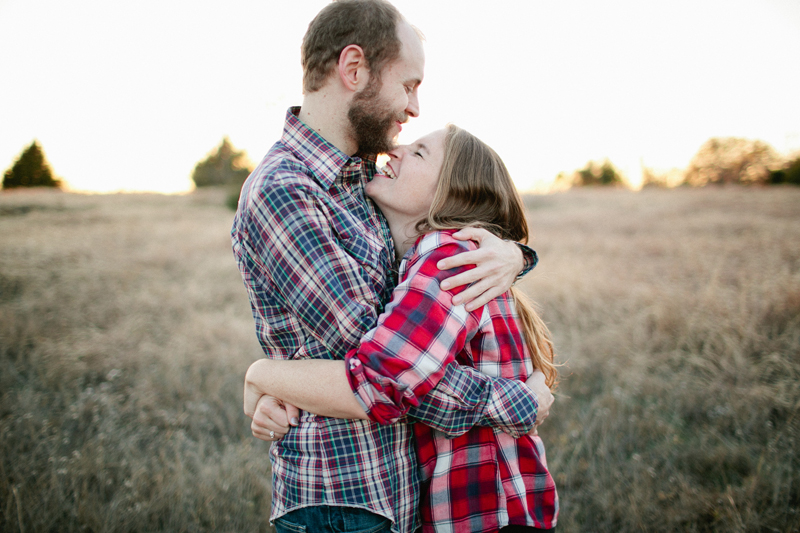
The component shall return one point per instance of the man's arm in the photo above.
(331, 395)
(465, 398)
(512, 406)
(315, 385)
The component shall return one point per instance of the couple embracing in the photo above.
(404, 376)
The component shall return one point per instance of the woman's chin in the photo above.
(375, 191)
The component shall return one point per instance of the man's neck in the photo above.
(326, 113)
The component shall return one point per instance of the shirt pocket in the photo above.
(358, 245)
(368, 250)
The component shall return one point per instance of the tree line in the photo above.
(719, 161)
(224, 167)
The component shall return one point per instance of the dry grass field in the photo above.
(125, 333)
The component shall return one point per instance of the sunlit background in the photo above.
(130, 95)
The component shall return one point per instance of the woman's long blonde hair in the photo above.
(475, 189)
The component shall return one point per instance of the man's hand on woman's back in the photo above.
(497, 264)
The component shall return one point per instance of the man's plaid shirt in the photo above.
(487, 478)
(316, 259)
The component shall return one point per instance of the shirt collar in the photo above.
(322, 158)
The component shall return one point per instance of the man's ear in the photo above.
(353, 71)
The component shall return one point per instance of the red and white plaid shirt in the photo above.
(485, 478)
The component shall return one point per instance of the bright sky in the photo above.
(130, 95)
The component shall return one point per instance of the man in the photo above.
(317, 261)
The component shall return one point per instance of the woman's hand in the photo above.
(497, 265)
(271, 417)
(544, 398)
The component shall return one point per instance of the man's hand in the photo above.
(497, 264)
(543, 396)
(271, 417)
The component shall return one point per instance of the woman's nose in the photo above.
(396, 153)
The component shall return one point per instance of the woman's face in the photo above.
(409, 179)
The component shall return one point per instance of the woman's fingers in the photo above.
(270, 419)
(266, 432)
(544, 397)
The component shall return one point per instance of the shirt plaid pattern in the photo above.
(316, 259)
(484, 479)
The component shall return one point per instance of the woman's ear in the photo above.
(353, 71)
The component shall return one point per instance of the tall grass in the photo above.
(125, 333)
(124, 337)
(678, 316)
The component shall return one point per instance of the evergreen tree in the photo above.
(30, 170)
(226, 166)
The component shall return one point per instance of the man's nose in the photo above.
(413, 104)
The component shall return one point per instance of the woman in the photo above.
(483, 480)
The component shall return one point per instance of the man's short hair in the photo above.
(370, 24)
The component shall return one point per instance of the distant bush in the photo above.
(224, 166)
(30, 170)
(790, 173)
(726, 160)
(593, 173)
(667, 179)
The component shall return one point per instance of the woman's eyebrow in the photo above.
(422, 146)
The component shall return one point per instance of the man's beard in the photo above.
(370, 120)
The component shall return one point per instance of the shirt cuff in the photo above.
(529, 259)
(512, 408)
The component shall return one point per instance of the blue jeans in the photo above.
(328, 519)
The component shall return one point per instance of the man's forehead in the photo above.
(412, 54)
